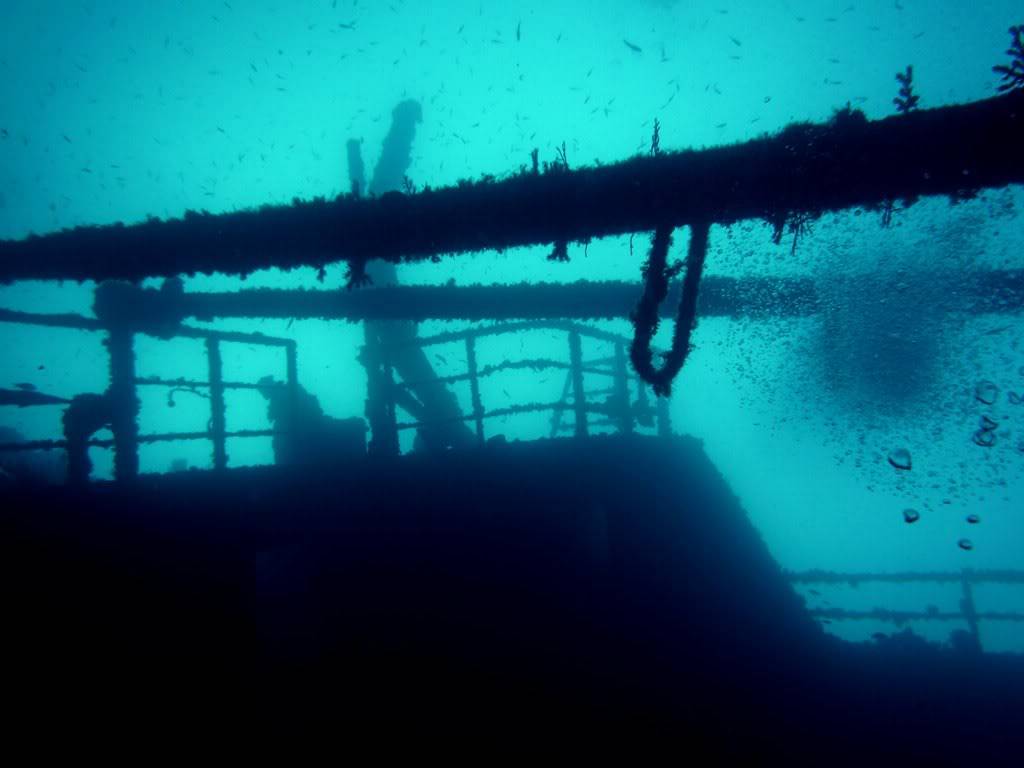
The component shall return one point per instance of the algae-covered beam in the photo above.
(526, 301)
(982, 292)
(805, 170)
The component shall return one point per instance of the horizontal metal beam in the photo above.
(804, 170)
(975, 576)
(903, 617)
(997, 291)
(77, 322)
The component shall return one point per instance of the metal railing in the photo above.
(126, 438)
(617, 408)
(967, 578)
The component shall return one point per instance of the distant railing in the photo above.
(613, 405)
(217, 431)
(617, 409)
(967, 578)
(126, 438)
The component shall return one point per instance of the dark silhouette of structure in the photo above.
(391, 343)
(303, 433)
(612, 581)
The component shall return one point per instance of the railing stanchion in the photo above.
(217, 408)
(124, 404)
(474, 387)
(292, 381)
(578, 394)
(967, 606)
(380, 397)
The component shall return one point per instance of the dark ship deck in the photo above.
(612, 581)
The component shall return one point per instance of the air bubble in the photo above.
(986, 392)
(900, 458)
(986, 438)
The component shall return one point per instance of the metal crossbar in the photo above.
(618, 410)
(968, 579)
(124, 384)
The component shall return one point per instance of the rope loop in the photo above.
(657, 274)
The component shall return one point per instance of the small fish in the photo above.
(518, 31)
(736, 42)
(25, 386)
(632, 47)
(349, 25)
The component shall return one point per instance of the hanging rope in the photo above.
(657, 275)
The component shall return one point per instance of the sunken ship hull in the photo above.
(506, 587)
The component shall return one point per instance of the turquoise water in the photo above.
(115, 111)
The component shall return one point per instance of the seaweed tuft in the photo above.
(907, 100)
(1013, 74)
(560, 251)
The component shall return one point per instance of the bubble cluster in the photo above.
(986, 434)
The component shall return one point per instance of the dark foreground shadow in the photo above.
(613, 583)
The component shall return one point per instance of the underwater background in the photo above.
(115, 111)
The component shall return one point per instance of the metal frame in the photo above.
(968, 578)
(124, 384)
(619, 411)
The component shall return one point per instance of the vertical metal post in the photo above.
(578, 395)
(292, 384)
(967, 606)
(380, 398)
(556, 414)
(474, 388)
(621, 397)
(218, 418)
(124, 406)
